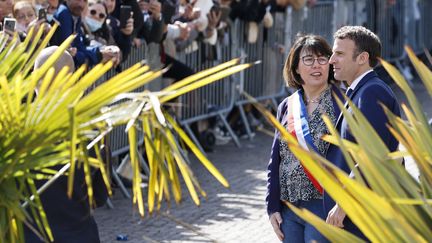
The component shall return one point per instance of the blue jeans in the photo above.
(295, 229)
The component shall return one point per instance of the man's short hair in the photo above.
(364, 40)
(64, 60)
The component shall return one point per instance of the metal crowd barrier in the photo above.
(396, 25)
(216, 99)
(319, 20)
(118, 139)
(387, 21)
(263, 81)
(393, 23)
(425, 40)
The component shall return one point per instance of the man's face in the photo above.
(345, 65)
(76, 6)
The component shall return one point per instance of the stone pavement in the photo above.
(236, 214)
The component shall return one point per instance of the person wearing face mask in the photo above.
(122, 36)
(69, 16)
(98, 32)
(50, 6)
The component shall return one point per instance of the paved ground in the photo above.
(236, 214)
(228, 215)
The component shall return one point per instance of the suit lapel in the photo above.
(353, 94)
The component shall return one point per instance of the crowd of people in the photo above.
(108, 29)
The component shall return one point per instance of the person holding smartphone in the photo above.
(152, 30)
(49, 7)
(69, 16)
(24, 13)
(122, 33)
(6, 11)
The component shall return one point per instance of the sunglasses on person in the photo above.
(94, 12)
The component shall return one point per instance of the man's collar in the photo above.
(358, 79)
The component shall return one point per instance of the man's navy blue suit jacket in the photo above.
(368, 96)
(89, 55)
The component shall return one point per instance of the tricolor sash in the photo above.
(297, 125)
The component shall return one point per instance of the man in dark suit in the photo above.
(355, 54)
(70, 219)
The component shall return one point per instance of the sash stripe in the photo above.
(297, 125)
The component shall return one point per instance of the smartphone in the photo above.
(42, 14)
(9, 24)
(125, 14)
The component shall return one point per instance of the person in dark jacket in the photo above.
(69, 17)
(70, 219)
(355, 53)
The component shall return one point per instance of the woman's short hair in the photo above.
(314, 44)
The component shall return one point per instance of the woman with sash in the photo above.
(307, 70)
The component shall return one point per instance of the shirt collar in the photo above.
(357, 80)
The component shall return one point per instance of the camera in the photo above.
(42, 14)
(9, 24)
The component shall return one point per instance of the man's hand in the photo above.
(155, 8)
(336, 216)
(213, 19)
(276, 221)
(110, 53)
(184, 30)
(72, 51)
(136, 42)
(189, 10)
(128, 29)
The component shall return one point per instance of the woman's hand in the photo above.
(276, 221)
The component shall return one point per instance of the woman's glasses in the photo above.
(26, 16)
(310, 60)
(94, 12)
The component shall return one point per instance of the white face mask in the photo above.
(50, 17)
(93, 25)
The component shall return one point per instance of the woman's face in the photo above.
(5, 8)
(25, 15)
(110, 4)
(313, 69)
(96, 12)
